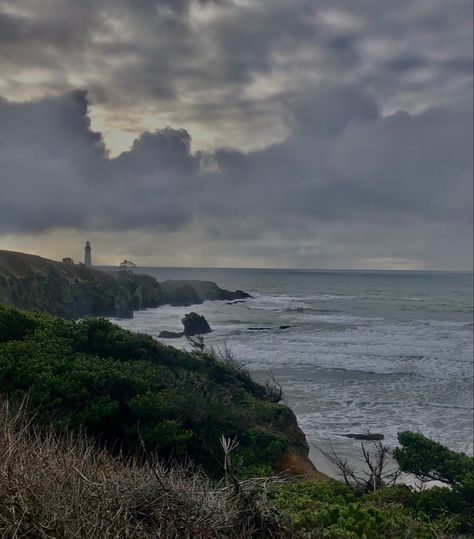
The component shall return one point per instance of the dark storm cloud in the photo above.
(56, 172)
(343, 162)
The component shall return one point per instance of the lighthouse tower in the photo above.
(87, 255)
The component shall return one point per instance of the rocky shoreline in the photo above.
(74, 291)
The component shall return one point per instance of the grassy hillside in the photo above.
(72, 290)
(129, 389)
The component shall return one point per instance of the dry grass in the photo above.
(64, 487)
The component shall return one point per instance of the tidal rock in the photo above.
(369, 436)
(258, 329)
(195, 324)
(169, 335)
(284, 327)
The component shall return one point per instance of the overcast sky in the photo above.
(254, 133)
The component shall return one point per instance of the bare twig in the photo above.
(379, 471)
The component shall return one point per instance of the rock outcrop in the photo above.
(165, 334)
(194, 324)
(203, 290)
(71, 290)
(180, 295)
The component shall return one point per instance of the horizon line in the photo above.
(296, 269)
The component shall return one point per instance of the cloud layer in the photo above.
(225, 69)
(391, 182)
(317, 134)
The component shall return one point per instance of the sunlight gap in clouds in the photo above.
(284, 97)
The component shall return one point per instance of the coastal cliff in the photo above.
(129, 389)
(75, 291)
(69, 290)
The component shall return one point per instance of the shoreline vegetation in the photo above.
(106, 433)
(109, 433)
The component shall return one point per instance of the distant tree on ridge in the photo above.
(127, 265)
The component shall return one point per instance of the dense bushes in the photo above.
(333, 510)
(128, 389)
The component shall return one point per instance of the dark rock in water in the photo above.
(195, 324)
(284, 327)
(367, 436)
(170, 335)
(258, 329)
(236, 301)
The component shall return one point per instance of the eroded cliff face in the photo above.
(295, 460)
(69, 290)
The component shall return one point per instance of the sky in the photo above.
(238, 133)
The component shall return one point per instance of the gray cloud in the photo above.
(316, 133)
(343, 164)
(230, 64)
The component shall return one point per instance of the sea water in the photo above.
(384, 351)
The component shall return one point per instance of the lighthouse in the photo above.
(87, 255)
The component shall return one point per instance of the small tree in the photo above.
(431, 461)
(428, 461)
(127, 265)
(197, 344)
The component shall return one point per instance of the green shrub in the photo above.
(128, 389)
(15, 325)
(332, 510)
(258, 446)
(430, 460)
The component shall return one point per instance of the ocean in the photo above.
(383, 351)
